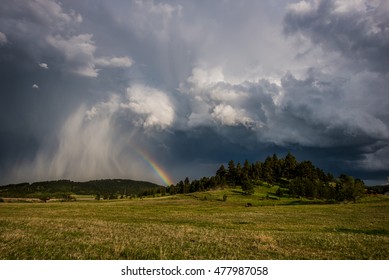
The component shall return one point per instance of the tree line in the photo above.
(294, 178)
(64, 189)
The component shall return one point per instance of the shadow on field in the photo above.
(309, 202)
(237, 192)
(363, 231)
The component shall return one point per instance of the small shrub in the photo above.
(44, 198)
(67, 197)
(225, 197)
(279, 192)
(113, 196)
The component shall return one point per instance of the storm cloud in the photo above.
(86, 84)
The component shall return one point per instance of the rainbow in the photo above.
(153, 164)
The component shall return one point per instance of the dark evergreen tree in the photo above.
(221, 175)
(290, 164)
(186, 187)
(267, 170)
(257, 171)
(231, 173)
(239, 175)
(180, 187)
(306, 169)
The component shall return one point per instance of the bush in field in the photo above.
(67, 197)
(44, 198)
(279, 192)
(349, 188)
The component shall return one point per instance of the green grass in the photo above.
(190, 227)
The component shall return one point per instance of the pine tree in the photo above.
(246, 169)
(231, 173)
(221, 175)
(290, 164)
(186, 186)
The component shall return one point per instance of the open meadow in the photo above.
(196, 226)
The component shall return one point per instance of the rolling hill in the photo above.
(60, 187)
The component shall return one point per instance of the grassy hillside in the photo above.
(200, 225)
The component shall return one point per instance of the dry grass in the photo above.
(188, 228)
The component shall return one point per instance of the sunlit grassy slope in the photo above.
(196, 226)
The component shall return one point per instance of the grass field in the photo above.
(195, 227)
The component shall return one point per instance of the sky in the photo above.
(88, 87)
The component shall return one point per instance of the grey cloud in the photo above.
(359, 31)
(123, 61)
(346, 101)
(3, 39)
(330, 111)
(79, 52)
(45, 13)
(377, 159)
(26, 24)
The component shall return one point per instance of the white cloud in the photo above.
(35, 86)
(148, 16)
(151, 107)
(39, 14)
(216, 101)
(76, 46)
(204, 78)
(351, 6)
(227, 115)
(105, 109)
(303, 7)
(87, 70)
(3, 39)
(51, 12)
(123, 61)
(211, 85)
(79, 52)
(43, 65)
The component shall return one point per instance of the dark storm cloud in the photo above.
(192, 83)
(359, 30)
(354, 117)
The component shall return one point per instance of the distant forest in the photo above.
(300, 179)
(64, 189)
